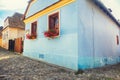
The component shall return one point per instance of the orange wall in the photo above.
(5, 38)
(0, 41)
(11, 33)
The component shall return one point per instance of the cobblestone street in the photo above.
(18, 67)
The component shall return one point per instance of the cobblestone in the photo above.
(18, 67)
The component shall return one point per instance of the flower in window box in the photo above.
(28, 36)
(31, 36)
(51, 33)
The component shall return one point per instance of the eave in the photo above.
(106, 11)
(48, 9)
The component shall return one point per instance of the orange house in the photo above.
(13, 28)
(1, 36)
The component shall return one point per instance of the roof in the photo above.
(107, 11)
(1, 27)
(15, 21)
(29, 2)
(97, 2)
(42, 8)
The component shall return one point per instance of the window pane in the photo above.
(54, 21)
(34, 28)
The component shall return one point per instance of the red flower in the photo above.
(28, 36)
(50, 33)
(31, 36)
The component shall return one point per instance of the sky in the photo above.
(9, 7)
(114, 5)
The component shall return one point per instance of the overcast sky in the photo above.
(114, 5)
(8, 7)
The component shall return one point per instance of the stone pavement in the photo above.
(18, 67)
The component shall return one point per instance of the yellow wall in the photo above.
(20, 33)
(5, 38)
(11, 33)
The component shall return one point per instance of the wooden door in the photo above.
(18, 45)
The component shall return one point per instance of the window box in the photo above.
(53, 25)
(31, 36)
(51, 34)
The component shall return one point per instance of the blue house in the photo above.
(76, 34)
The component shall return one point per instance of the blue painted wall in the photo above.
(97, 37)
(63, 50)
(39, 5)
(87, 37)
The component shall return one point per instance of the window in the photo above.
(53, 24)
(33, 34)
(34, 28)
(117, 38)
